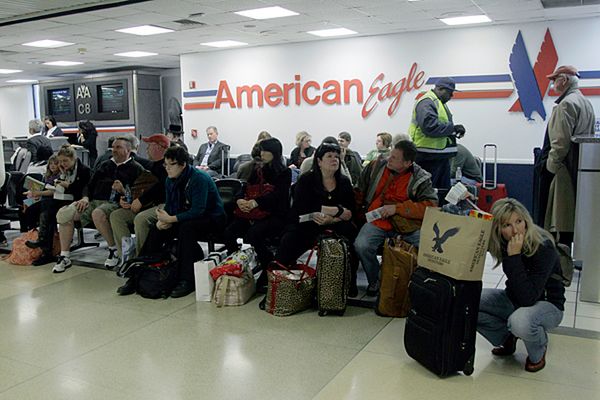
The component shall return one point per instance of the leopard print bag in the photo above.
(290, 290)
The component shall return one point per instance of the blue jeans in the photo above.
(498, 317)
(368, 241)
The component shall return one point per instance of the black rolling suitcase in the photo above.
(441, 326)
(333, 275)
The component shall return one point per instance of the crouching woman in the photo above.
(533, 299)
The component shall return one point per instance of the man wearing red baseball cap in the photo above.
(573, 115)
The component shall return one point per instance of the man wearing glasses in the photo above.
(572, 115)
(193, 207)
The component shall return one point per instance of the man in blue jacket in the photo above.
(193, 206)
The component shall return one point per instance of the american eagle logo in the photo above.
(439, 241)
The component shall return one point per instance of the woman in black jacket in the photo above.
(74, 175)
(325, 198)
(87, 138)
(533, 300)
(273, 204)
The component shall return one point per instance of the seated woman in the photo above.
(245, 169)
(533, 300)
(192, 208)
(383, 145)
(326, 194)
(302, 151)
(274, 173)
(29, 214)
(74, 176)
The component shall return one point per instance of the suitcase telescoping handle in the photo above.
(493, 183)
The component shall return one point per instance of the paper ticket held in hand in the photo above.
(374, 215)
(305, 218)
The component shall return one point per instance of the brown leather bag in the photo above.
(143, 182)
(399, 263)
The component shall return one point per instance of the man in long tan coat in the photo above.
(572, 115)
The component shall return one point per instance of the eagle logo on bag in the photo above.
(439, 241)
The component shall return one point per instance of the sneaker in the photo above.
(62, 264)
(112, 260)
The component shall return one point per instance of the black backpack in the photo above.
(155, 276)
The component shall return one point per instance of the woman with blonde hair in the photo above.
(303, 149)
(533, 300)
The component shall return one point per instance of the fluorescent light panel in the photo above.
(10, 71)
(145, 30)
(22, 81)
(267, 13)
(224, 43)
(63, 63)
(47, 43)
(471, 19)
(332, 32)
(136, 54)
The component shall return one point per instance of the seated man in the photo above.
(39, 146)
(140, 214)
(193, 207)
(351, 158)
(209, 157)
(469, 165)
(100, 198)
(404, 191)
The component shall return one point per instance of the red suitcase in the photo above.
(490, 190)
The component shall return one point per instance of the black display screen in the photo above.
(60, 101)
(111, 98)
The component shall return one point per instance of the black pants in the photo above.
(29, 217)
(48, 209)
(187, 249)
(545, 179)
(256, 233)
(439, 168)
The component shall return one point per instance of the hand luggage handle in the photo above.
(494, 181)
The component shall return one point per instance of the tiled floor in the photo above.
(69, 336)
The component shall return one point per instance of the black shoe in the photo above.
(127, 289)
(34, 244)
(263, 303)
(182, 289)
(44, 259)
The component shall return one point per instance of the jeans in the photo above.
(498, 317)
(368, 241)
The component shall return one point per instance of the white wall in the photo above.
(456, 52)
(16, 110)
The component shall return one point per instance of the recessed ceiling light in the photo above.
(224, 43)
(472, 19)
(22, 81)
(10, 71)
(145, 30)
(332, 32)
(136, 54)
(47, 43)
(63, 63)
(267, 12)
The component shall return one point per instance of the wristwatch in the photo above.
(340, 211)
